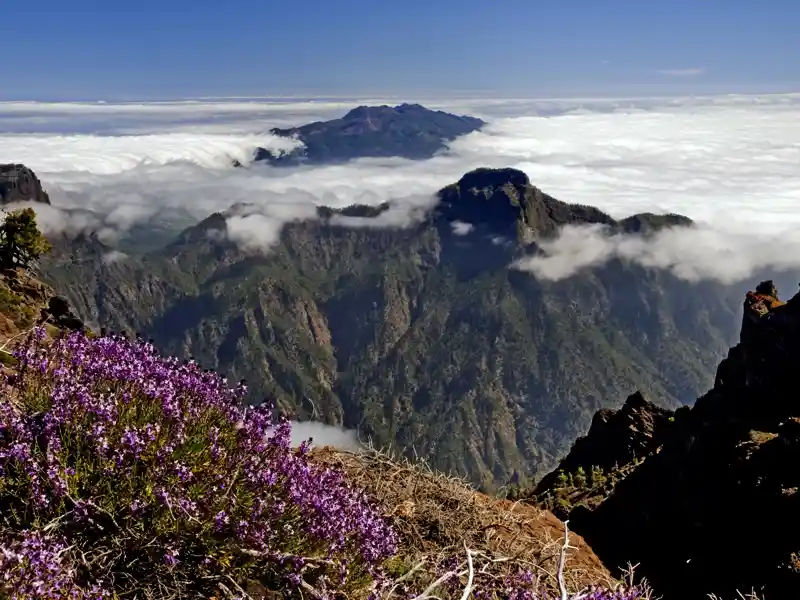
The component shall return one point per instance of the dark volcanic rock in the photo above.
(59, 313)
(503, 202)
(616, 438)
(716, 510)
(407, 131)
(19, 184)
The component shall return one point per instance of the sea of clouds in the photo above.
(731, 163)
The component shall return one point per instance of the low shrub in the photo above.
(123, 470)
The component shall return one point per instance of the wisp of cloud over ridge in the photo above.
(728, 162)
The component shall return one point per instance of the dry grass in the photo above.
(437, 516)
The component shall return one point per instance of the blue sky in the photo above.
(116, 49)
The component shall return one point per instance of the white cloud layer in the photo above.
(729, 162)
(693, 254)
(112, 155)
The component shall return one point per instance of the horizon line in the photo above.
(100, 101)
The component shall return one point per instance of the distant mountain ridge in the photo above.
(420, 336)
(405, 131)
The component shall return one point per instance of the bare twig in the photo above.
(562, 561)
(468, 588)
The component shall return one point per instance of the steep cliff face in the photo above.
(19, 184)
(716, 509)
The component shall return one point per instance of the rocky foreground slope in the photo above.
(713, 507)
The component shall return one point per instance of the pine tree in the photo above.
(580, 478)
(598, 477)
(21, 242)
(562, 479)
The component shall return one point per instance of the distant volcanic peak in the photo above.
(18, 183)
(406, 107)
(504, 202)
(407, 131)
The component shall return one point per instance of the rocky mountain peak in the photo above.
(648, 223)
(491, 199)
(503, 202)
(18, 183)
(490, 179)
(616, 438)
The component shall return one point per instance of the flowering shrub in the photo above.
(125, 473)
(120, 469)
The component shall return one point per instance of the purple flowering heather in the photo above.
(33, 565)
(110, 444)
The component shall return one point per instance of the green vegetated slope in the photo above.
(419, 337)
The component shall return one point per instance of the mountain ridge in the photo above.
(399, 331)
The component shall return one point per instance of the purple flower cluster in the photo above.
(35, 566)
(106, 439)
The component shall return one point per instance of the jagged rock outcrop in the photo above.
(19, 184)
(503, 202)
(615, 439)
(716, 509)
(406, 131)
(59, 313)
